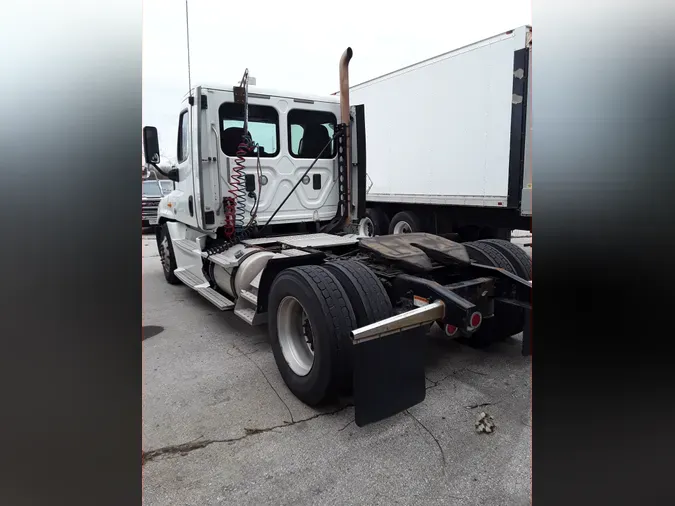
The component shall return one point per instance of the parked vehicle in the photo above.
(167, 186)
(151, 194)
(268, 185)
(449, 142)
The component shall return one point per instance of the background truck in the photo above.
(268, 185)
(151, 194)
(449, 142)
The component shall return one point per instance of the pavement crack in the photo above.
(272, 387)
(474, 406)
(181, 449)
(266, 379)
(343, 428)
(431, 434)
(185, 448)
(438, 382)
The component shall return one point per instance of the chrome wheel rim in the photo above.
(295, 336)
(366, 227)
(402, 227)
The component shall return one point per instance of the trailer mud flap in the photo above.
(389, 375)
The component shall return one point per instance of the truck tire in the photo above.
(404, 222)
(309, 325)
(166, 255)
(520, 260)
(366, 293)
(490, 255)
(375, 222)
(507, 321)
(368, 298)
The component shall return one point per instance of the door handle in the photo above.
(191, 206)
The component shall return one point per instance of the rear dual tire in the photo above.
(507, 320)
(334, 299)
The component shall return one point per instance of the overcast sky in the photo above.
(296, 44)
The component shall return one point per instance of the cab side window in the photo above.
(183, 137)
(309, 132)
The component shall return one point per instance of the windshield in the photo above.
(151, 189)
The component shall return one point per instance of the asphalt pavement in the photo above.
(220, 426)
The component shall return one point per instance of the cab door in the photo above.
(198, 201)
(183, 203)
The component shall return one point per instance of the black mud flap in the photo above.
(389, 375)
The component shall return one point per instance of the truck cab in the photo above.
(288, 131)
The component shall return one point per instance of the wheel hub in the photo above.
(366, 227)
(402, 227)
(295, 335)
(307, 332)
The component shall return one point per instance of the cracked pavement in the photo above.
(220, 426)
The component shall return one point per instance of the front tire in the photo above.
(309, 325)
(166, 255)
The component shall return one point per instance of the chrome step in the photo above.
(186, 245)
(189, 278)
(246, 314)
(251, 297)
(215, 298)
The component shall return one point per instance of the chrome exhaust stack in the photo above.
(345, 119)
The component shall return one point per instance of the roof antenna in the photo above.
(187, 30)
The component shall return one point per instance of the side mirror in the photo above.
(150, 145)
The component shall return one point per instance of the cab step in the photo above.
(217, 299)
(190, 279)
(249, 296)
(187, 245)
(246, 314)
(202, 288)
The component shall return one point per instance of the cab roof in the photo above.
(255, 90)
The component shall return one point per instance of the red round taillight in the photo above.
(475, 320)
(450, 330)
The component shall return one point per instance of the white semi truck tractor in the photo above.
(270, 186)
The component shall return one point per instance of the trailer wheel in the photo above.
(404, 222)
(375, 222)
(309, 325)
(166, 255)
(507, 321)
(519, 258)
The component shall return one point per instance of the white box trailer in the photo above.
(448, 142)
